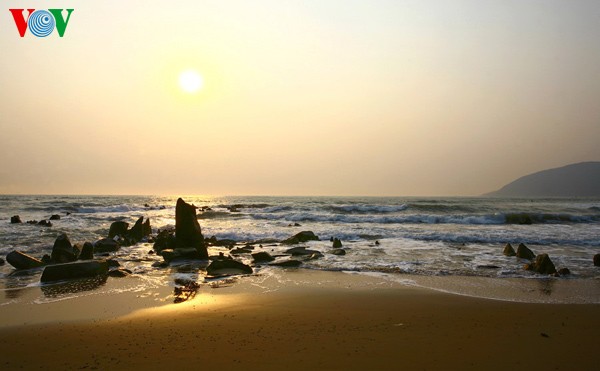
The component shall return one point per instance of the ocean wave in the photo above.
(499, 218)
(107, 209)
(365, 209)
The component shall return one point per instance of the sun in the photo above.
(190, 81)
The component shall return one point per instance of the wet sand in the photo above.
(319, 320)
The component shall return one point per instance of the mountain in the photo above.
(576, 180)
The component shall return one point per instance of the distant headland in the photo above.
(575, 180)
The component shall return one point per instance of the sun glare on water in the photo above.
(190, 81)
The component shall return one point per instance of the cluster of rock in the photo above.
(541, 263)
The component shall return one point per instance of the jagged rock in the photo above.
(21, 260)
(112, 263)
(55, 217)
(74, 270)
(337, 244)
(542, 265)
(287, 263)
(338, 252)
(240, 250)
(87, 251)
(564, 271)
(303, 236)
(508, 250)
(63, 251)
(597, 260)
(187, 229)
(164, 240)
(262, 257)
(118, 273)
(106, 245)
(15, 219)
(32, 222)
(139, 230)
(523, 252)
(45, 223)
(227, 267)
(118, 229)
(181, 253)
(301, 250)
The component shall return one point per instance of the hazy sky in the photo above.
(305, 97)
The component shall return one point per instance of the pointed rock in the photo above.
(187, 228)
(63, 251)
(118, 229)
(523, 252)
(542, 265)
(508, 250)
(303, 236)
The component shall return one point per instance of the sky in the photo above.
(313, 97)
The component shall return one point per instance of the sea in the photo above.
(413, 240)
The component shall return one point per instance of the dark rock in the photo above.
(87, 251)
(542, 265)
(338, 252)
(240, 250)
(337, 244)
(45, 223)
(315, 255)
(32, 222)
(46, 259)
(74, 270)
(21, 260)
(301, 250)
(377, 243)
(112, 263)
(55, 217)
(564, 271)
(508, 250)
(162, 264)
(262, 257)
(181, 254)
(1, 261)
(287, 263)
(118, 273)
(164, 240)
(63, 251)
(139, 230)
(15, 219)
(118, 229)
(147, 228)
(227, 267)
(488, 266)
(106, 245)
(224, 243)
(597, 260)
(187, 229)
(523, 252)
(303, 236)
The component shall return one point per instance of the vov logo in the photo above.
(41, 23)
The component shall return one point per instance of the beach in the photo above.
(308, 319)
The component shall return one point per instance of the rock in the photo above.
(139, 230)
(564, 271)
(224, 242)
(112, 263)
(301, 250)
(287, 263)
(377, 243)
(240, 250)
(227, 267)
(118, 229)
(63, 251)
(45, 223)
(303, 236)
(118, 273)
(508, 250)
(181, 253)
(187, 228)
(337, 244)
(106, 245)
(147, 228)
(597, 260)
(262, 257)
(46, 259)
(162, 264)
(164, 240)
(15, 219)
(523, 252)
(1, 261)
(338, 252)
(315, 255)
(55, 217)
(74, 270)
(87, 251)
(32, 222)
(542, 265)
(21, 260)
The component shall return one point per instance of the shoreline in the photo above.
(299, 319)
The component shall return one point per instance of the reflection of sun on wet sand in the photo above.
(320, 320)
